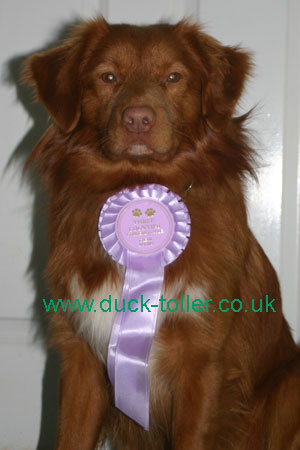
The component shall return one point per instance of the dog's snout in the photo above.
(138, 119)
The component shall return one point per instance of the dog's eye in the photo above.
(108, 77)
(174, 77)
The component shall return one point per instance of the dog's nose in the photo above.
(138, 119)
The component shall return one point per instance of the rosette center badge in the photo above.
(145, 226)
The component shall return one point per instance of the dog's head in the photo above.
(146, 94)
(135, 105)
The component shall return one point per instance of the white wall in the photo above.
(28, 374)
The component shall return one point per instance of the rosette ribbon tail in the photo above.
(132, 334)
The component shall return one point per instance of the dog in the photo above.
(133, 105)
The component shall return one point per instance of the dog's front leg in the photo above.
(83, 391)
(194, 408)
(189, 361)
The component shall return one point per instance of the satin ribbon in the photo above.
(132, 335)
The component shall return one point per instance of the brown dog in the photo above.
(134, 105)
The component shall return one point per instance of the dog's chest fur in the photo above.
(95, 325)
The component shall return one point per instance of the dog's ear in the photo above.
(56, 73)
(222, 70)
(224, 85)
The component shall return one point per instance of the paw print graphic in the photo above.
(150, 212)
(136, 212)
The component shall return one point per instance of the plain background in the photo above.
(270, 29)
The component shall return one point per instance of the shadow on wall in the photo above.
(38, 259)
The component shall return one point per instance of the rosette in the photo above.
(144, 228)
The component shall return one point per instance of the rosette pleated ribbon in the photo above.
(144, 229)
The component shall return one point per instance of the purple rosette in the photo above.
(144, 228)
